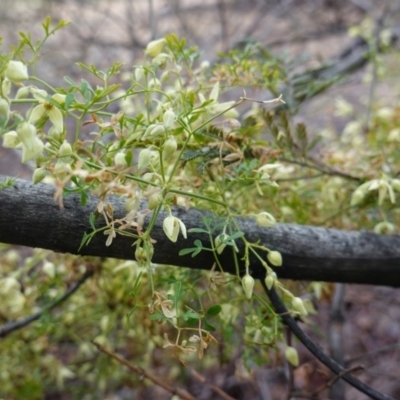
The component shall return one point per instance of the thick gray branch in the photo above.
(30, 217)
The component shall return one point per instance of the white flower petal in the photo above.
(37, 113)
(56, 118)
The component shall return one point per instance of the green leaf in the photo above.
(69, 99)
(92, 219)
(197, 251)
(46, 25)
(213, 310)
(198, 243)
(105, 92)
(184, 252)
(8, 182)
(178, 292)
(85, 240)
(84, 197)
(236, 235)
(69, 81)
(157, 316)
(129, 157)
(190, 314)
(209, 327)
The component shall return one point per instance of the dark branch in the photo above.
(30, 217)
(316, 351)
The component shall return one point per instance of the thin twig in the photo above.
(213, 387)
(335, 335)
(143, 374)
(12, 326)
(325, 169)
(316, 351)
(345, 371)
(374, 353)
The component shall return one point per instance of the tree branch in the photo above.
(29, 216)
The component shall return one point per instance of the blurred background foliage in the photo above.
(46, 361)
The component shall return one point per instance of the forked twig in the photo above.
(144, 374)
(213, 387)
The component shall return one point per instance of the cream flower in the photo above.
(171, 226)
(16, 71)
(214, 107)
(155, 47)
(248, 285)
(265, 219)
(47, 108)
(31, 145)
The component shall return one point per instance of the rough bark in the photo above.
(29, 216)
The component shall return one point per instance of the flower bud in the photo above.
(169, 148)
(139, 73)
(154, 84)
(132, 204)
(120, 159)
(6, 87)
(292, 356)
(65, 149)
(38, 175)
(154, 200)
(53, 133)
(275, 258)
(160, 61)
(357, 197)
(4, 111)
(141, 255)
(265, 219)
(59, 98)
(298, 305)
(16, 71)
(144, 159)
(169, 118)
(26, 132)
(219, 243)
(153, 131)
(155, 47)
(157, 131)
(384, 228)
(11, 140)
(49, 269)
(23, 92)
(248, 285)
(60, 167)
(269, 281)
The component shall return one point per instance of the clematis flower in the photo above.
(265, 219)
(214, 107)
(171, 226)
(30, 144)
(47, 108)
